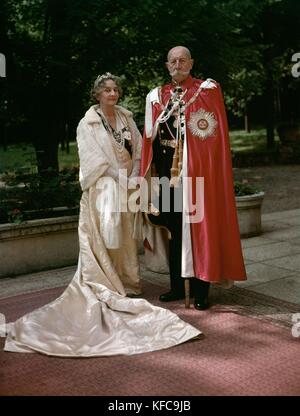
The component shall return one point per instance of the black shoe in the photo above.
(170, 296)
(201, 305)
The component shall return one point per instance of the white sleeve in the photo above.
(152, 97)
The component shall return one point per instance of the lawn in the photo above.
(256, 141)
(22, 156)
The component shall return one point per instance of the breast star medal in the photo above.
(203, 124)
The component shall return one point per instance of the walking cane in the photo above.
(187, 292)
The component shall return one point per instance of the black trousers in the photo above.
(199, 288)
(173, 221)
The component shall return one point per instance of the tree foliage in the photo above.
(55, 48)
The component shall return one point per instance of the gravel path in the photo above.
(281, 185)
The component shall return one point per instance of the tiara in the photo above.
(107, 75)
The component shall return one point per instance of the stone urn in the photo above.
(249, 214)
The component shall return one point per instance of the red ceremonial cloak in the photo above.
(216, 254)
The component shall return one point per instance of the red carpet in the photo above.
(240, 355)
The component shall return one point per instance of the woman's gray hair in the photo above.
(100, 83)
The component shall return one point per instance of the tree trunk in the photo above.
(54, 98)
(270, 119)
(268, 57)
(246, 123)
(67, 137)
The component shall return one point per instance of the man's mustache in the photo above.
(178, 72)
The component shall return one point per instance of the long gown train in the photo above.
(90, 318)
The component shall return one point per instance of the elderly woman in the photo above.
(109, 146)
(93, 316)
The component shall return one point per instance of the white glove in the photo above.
(134, 178)
(117, 175)
(136, 169)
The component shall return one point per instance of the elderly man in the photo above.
(186, 139)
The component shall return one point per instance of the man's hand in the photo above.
(175, 182)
